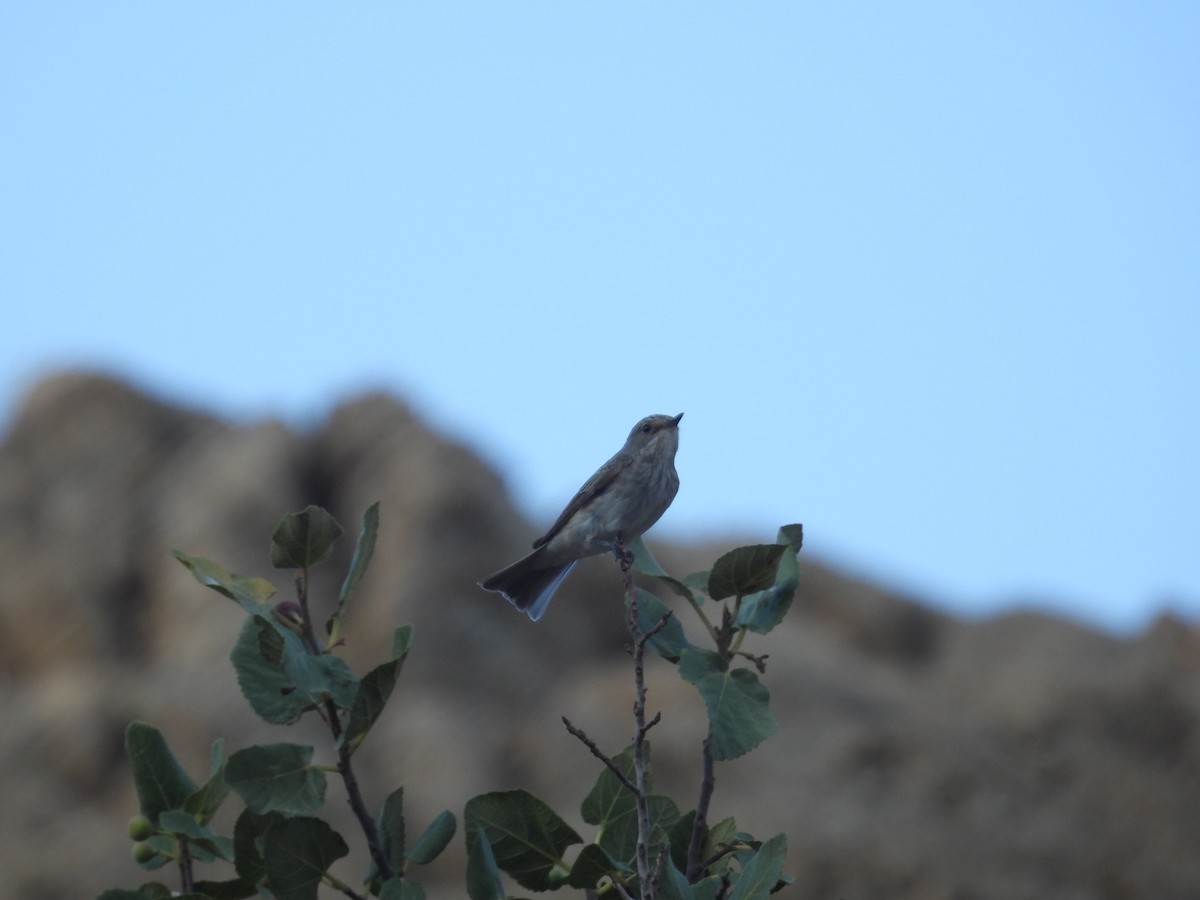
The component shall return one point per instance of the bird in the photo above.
(619, 503)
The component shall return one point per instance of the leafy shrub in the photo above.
(643, 847)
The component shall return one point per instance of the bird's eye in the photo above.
(647, 428)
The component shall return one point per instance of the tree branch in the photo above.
(640, 776)
(366, 821)
(696, 864)
(186, 878)
(345, 768)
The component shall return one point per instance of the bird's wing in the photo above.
(593, 486)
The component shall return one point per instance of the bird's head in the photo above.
(655, 434)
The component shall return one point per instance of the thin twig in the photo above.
(354, 795)
(656, 628)
(600, 755)
(760, 662)
(722, 851)
(726, 884)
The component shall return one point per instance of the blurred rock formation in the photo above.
(919, 756)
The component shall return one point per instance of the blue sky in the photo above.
(925, 277)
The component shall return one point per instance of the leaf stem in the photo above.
(737, 641)
(339, 885)
(334, 629)
(708, 625)
(306, 628)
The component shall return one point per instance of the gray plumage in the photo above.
(622, 500)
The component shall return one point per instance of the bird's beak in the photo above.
(675, 421)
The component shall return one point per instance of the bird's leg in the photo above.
(623, 557)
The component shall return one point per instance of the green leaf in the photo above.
(738, 715)
(391, 828)
(719, 836)
(165, 849)
(364, 549)
(674, 885)
(391, 834)
(744, 571)
(609, 799)
(697, 664)
(670, 641)
(327, 675)
(277, 777)
(435, 839)
(258, 658)
(374, 691)
(304, 539)
(217, 757)
(204, 803)
(280, 679)
(792, 535)
(761, 874)
(526, 836)
(297, 853)
(251, 594)
(680, 837)
(762, 611)
(645, 563)
(722, 833)
(591, 865)
(118, 894)
(160, 780)
(483, 875)
(697, 583)
(181, 824)
(247, 831)
(708, 888)
(620, 839)
(401, 889)
(612, 808)
(402, 642)
(234, 889)
(643, 560)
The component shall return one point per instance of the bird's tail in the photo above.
(527, 586)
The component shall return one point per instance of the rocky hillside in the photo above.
(919, 756)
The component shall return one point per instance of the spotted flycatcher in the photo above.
(620, 502)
